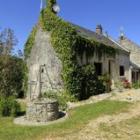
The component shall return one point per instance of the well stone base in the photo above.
(43, 110)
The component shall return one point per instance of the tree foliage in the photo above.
(12, 76)
(12, 68)
(7, 41)
(50, 4)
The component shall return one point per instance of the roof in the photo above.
(119, 45)
(134, 66)
(126, 42)
(91, 35)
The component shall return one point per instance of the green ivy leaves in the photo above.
(80, 81)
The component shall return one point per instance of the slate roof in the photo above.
(91, 35)
(133, 44)
(134, 66)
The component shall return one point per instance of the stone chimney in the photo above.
(122, 36)
(99, 29)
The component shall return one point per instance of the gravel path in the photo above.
(132, 95)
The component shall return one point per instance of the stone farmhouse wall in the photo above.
(122, 58)
(133, 48)
(134, 58)
(44, 67)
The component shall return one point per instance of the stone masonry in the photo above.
(133, 48)
(44, 67)
(42, 111)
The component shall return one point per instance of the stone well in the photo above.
(43, 110)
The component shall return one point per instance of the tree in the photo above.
(12, 76)
(12, 68)
(7, 41)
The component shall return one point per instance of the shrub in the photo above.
(91, 84)
(106, 80)
(62, 98)
(9, 106)
(136, 85)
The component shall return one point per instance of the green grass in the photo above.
(78, 117)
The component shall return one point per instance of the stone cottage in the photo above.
(45, 66)
(117, 67)
(134, 50)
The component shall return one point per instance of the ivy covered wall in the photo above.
(80, 81)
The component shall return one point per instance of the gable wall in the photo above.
(134, 50)
(44, 66)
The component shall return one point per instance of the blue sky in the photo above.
(21, 16)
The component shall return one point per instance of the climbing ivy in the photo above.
(50, 4)
(80, 81)
(30, 42)
(92, 47)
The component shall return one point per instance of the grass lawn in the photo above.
(78, 118)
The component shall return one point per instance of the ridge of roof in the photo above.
(121, 47)
(89, 34)
(132, 42)
(133, 64)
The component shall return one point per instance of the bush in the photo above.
(62, 98)
(106, 81)
(9, 106)
(136, 85)
(90, 83)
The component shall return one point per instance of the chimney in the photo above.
(122, 36)
(99, 29)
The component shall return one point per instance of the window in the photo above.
(122, 71)
(98, 68)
